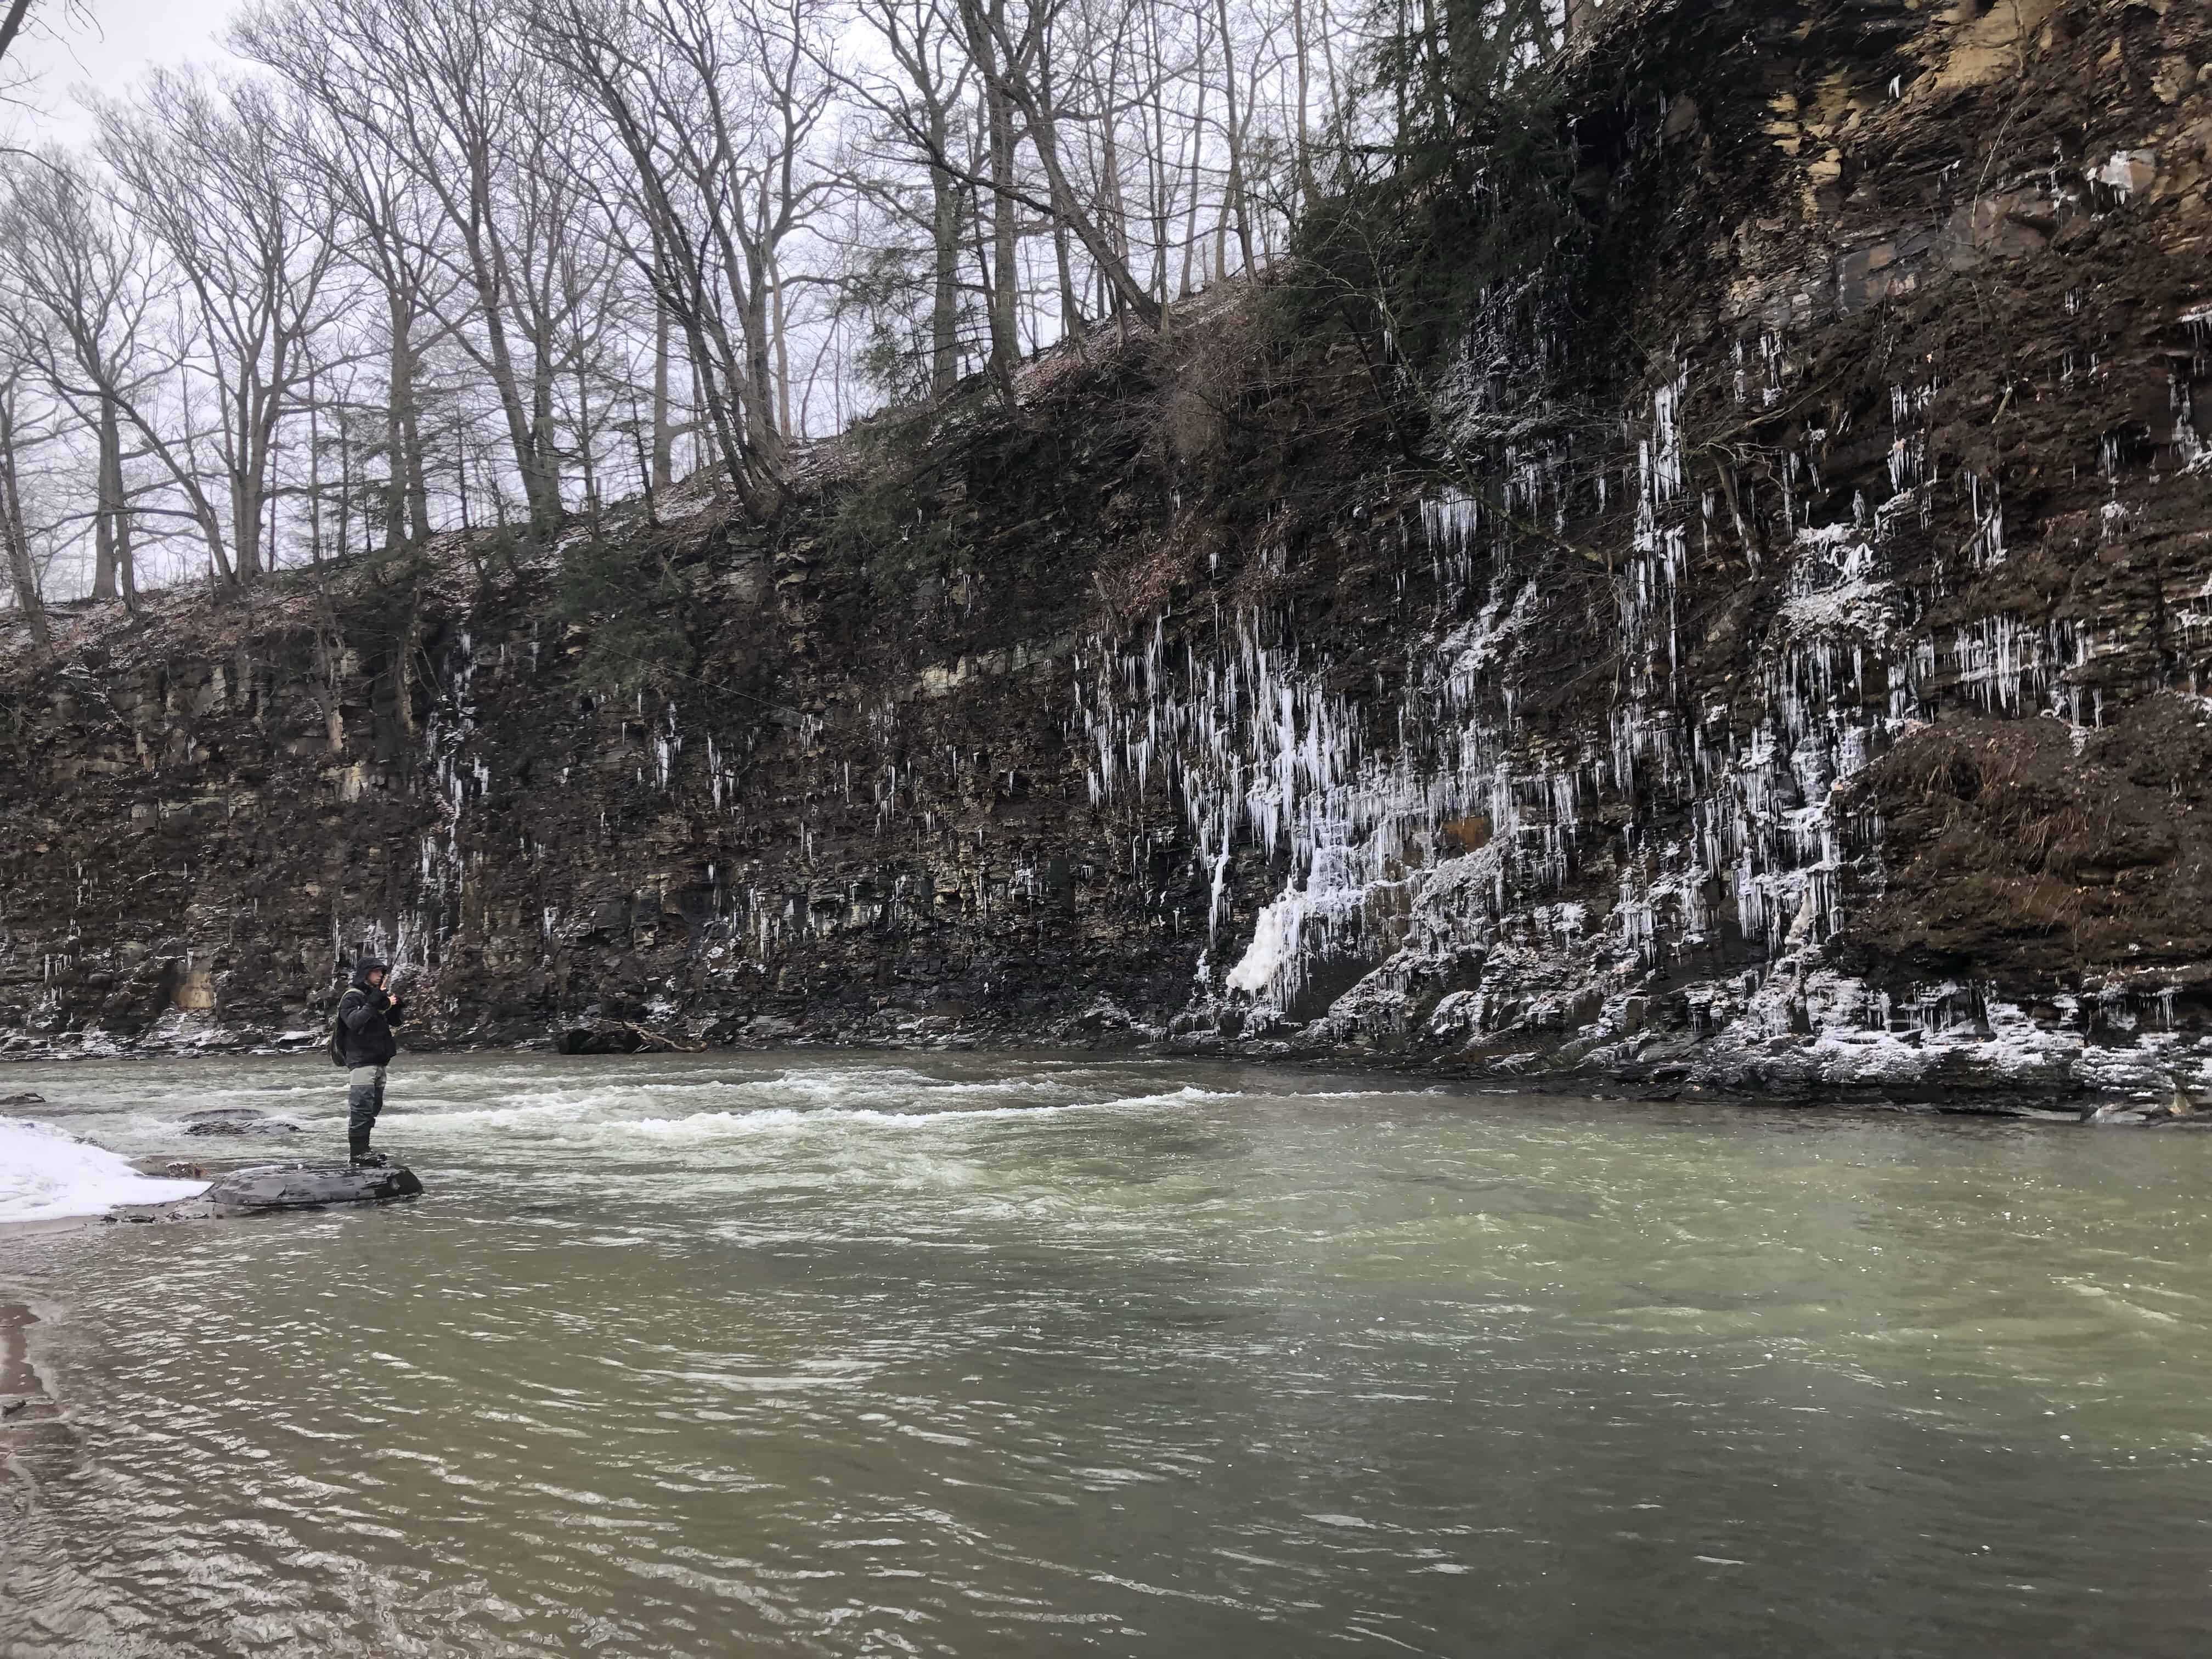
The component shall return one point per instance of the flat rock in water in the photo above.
(305, 1186)
(237, 1121)
(26, 1098)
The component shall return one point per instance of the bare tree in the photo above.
(712, 113)
(208, 176)
(11, 24)
(1016, 43)
(22, 574)
(474, 262)
(15, 16)
(922, 109)
(81, 273)
(484, 132)
(391, 229)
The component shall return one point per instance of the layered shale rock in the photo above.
(1792, 675)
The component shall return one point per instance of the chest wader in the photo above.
(364, 1100)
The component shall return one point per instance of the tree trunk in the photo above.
(418, 479)
(1070, 308)
(314, 472)
(21, 574)
(126, 560)
(945, 239)
(980, 21)
(107, 505)
(522, 434)
(1116, 206)
(782, 352)
(761, 429)
(245, 520)
(398, 410)
(126, 564)
(541, 476)
(1005, 292)
(664, 430)
(1309, 186)
(1236, 202)
(345, 488)
(1197, 149)
(584, 443)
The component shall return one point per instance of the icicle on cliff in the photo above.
(1782, 663)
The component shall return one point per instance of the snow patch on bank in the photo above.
(46, 1175)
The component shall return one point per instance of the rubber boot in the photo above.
(364, 1101)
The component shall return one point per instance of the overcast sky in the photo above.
(121, 40)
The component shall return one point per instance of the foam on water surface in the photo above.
(786, 1117)
(46, 1175)
(687, 1124)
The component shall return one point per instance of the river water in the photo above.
(980, 1356)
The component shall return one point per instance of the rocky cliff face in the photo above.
(1822, 705)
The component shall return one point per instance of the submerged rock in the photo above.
(309, 1186)
(237, 1121)
(603, 1038)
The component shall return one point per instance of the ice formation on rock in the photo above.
(1425, 839)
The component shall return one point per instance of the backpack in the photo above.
(338, 1033)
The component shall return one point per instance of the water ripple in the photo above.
(971, 1357)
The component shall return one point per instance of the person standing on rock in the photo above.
(367, 1014)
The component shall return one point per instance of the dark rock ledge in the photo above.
(263, 1187)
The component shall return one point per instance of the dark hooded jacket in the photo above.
(366, 1017)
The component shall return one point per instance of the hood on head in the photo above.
(367, 966)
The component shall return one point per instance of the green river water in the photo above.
(981, 1355)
